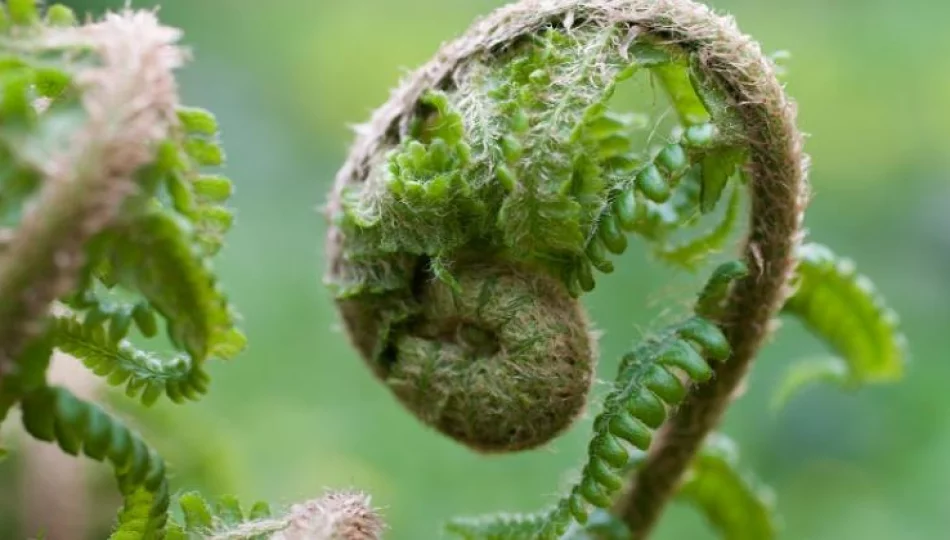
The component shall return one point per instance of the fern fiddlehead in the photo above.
(647, 387)
(506, 154)
(86, 183)
(475, 210)
(112, 224)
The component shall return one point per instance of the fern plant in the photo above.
(111, 218)
(475, 210)
(480, 203)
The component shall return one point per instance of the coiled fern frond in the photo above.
(132, 203)
(501, 178)
(110, 221)
(109, 225)
(647, 387)
(511, 183)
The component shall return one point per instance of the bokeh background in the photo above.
(299, 412)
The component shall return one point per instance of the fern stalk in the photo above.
(95, 146)
(778, 191)
(129, 102)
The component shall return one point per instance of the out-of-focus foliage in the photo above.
(91, 165)
(843, 308)
(285, 78)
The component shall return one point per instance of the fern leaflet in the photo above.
(224, 520)
(153, 255)
(54, 414)
(733, 503)
(143, 373)
(844, 309)
(694, 252)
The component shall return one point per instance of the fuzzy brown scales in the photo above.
(335, 516)
(503, 365)
(496, 372)
(778, 191)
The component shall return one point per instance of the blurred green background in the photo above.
(299, 412)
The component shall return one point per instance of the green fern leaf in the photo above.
(229, 511)
(198, 121)
(224, 519)
(259, 510)
(692, 253)
(709, 303)
(55, 415)
(804, 373)
(733, 503)
(844, 309)
(718, 167)
(676, 81)
(119, 363)
(135, 520)
(153, 256)
(23, 12)
(197, 512)
(59, 15)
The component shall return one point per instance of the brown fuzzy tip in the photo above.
(335, 516)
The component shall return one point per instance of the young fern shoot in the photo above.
(98, 158)
(476, 209)
(110, 223)
(482, 200)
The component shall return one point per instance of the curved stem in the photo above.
(46, 253)
(778, 191)
(777, 167)
(130, 105)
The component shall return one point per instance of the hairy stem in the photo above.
(130, 104)
(778, 190)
